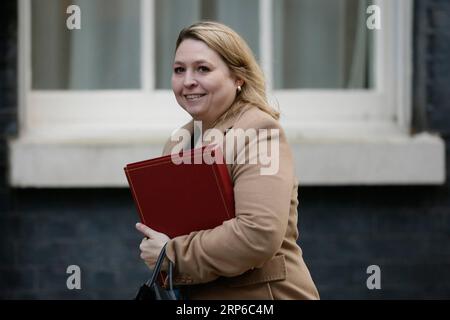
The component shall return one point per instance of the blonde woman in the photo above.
(217, 80)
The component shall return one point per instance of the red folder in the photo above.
(178, 199)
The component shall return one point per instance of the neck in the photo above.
(210, 123)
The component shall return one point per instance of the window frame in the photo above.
(81, 138)
(304, 112)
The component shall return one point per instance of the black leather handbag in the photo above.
(151, 290)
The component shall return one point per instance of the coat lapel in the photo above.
(222, 126)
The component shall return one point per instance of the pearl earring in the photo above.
(239, 89)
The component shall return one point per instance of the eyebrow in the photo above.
(195, 62)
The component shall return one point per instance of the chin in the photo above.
(194, 111)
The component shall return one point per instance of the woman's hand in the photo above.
(151, 245)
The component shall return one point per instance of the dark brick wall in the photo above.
(403, 230)
(437, 28)
(8, 95)
(47, 230)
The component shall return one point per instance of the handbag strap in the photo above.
(157, 269)
(170, 275)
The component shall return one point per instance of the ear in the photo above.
(239, 82)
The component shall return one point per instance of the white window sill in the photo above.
(76, 161)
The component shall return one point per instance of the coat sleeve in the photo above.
(262, 204)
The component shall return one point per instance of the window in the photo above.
(103, 54)
(173, 15)
(325, 67)
(108, 83)
(330, 49)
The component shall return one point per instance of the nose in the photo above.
(189, 79)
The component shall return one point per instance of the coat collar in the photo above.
(222, 126)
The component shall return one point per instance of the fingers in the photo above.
(143, 245)
(146, 231)
(151, 245)
(152, 234)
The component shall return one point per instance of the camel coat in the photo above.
(255, 254)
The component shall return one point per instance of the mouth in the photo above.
(193, 97)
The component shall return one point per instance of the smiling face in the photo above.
(202, 82)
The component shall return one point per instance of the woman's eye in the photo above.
(178, 69)
(203, 69)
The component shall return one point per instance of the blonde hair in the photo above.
(239, 58)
